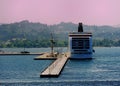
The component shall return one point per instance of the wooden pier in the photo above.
(56, 67)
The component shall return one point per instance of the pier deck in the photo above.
(18, 53)
(56, 67)
(45, 56)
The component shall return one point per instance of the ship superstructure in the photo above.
(80, 44)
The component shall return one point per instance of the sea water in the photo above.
(22, 70)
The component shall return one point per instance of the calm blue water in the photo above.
(103, 70)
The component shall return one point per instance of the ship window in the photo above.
(80, 43)
(86, 44)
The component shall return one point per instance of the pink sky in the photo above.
(92, 12)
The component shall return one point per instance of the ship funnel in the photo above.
(80, 27)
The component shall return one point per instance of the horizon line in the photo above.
(117, 25)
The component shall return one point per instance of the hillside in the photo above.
(42, 31)
(37, 31)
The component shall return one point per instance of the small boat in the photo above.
(25, 52)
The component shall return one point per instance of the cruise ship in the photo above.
(80, 44)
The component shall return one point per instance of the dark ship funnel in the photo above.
(80, 27)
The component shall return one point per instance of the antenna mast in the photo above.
(52, 45)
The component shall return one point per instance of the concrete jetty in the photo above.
(18, 53)
(45, 56)
(56, 67)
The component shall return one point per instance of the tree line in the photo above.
(31, 43)
(106, 43)
(18, 43)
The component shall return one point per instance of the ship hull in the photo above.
(81, 56)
